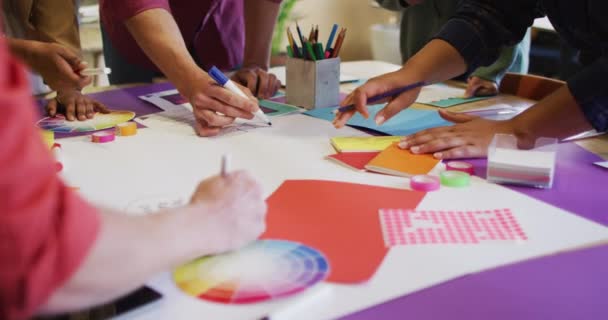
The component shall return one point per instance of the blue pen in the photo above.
(334, 29)
(388, 94)
(223, 81)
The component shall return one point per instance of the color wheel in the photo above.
(264, 270)
(99, 122)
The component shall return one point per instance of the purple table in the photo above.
(572, 285)
(567, 286)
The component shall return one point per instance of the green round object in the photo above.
(455, 179)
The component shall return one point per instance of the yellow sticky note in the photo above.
(363, 144)
(48, 137)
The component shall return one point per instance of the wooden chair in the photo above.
(529, 86)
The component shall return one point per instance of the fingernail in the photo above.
(438, 155)
(415, 149)
(403, 144)
(380, 119)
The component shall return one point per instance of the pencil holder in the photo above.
(313, 84)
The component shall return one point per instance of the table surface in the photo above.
(155, 165)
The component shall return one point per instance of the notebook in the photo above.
(363, 144)
(398, 162)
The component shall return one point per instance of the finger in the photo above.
(70, 110)
(247, 92)
(486, 91)
(467, 151)
(232, 99)
(425, 136)
(203, 130)
(262, 78)
(51, 108)
(439, 144)
(212, 119)
(84, 81)
(342, 118)
(100, 107)
(403, 101)
(456, 117)
(208, 103)
(472, 87)
(277, 85)
(360, 101)
(70, 56)
(249, 79)
(81, 109)
(90, 108)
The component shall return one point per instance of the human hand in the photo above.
(376, 86)
(468, 138)
(59, 66)
(263, 84)
(479, 87)
(233, 211)
(75, 105)
(215, 107)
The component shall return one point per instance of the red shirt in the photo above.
(213, 30)
(46, 229)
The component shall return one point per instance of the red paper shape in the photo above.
(353, 160)
(339, 219)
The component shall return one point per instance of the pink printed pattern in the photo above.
(411, 227)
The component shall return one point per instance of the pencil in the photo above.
(338, 45)
(388, 94)
(300, 34)
(225, 164)
(330, 40)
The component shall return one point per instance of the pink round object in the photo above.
(460, 166)
(424, 183)
(103, 137)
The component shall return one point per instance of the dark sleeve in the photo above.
(480, 29)
(590, 91)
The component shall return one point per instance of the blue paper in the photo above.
(450, 102)
(406, 122)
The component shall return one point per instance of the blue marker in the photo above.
(334, 29)
(223, 81)
(388, 94)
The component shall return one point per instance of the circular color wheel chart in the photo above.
(264, 270)
(99, 122)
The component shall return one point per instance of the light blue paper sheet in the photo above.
(406, 122)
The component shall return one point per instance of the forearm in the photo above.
(437, 61)
(127, 252)
(21, 49)
(158, 35)
(260, 18)
(558, 115)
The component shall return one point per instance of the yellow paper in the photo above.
(363, 144)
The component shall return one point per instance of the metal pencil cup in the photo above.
(313, 84)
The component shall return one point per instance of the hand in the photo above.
(479, 87)
(234, 211)
(468, 138)
(377, 86)
(258, 81)
(216, 107)
(75, 105)
(59, 66)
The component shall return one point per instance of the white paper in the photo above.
(438, 92)
(602, 164)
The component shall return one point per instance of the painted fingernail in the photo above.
(415, 149)
(438, 155)
(380, 119)
(403, 144)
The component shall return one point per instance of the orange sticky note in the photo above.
(398, 162)
(353, 160)
(339, 219)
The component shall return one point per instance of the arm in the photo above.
(157, 33)
(225, 214)
(260, 18)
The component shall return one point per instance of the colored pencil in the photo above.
(388, 94)
(300, 34)
(338, 45)
(330, 40)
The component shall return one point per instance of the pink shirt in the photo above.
(46, 229)
(213, 30)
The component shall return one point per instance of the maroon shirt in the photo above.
(213, 30)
